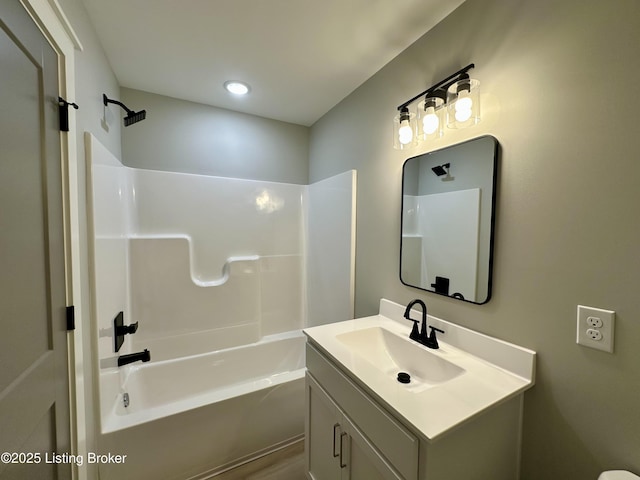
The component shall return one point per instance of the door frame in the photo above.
(49, 17)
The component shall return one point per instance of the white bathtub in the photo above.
(163, 388)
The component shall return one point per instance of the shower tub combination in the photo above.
(196, 416)
(220, 295)
(167, 387)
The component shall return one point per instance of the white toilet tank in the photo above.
(618, 475)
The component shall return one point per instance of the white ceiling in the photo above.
(301, 57)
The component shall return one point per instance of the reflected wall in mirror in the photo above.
(448, 209)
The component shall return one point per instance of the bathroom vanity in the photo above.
(459, 417)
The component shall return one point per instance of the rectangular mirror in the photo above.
(448, 210)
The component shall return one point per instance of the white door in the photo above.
(34, 391)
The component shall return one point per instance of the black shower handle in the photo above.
(127, 329)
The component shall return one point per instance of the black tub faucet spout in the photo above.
(134, 357)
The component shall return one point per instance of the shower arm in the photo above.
(106, 101)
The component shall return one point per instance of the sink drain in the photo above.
(404, 377)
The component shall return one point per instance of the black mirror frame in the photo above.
(494, 196)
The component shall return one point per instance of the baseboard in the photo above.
(212, 474)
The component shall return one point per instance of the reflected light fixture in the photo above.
(454, 101)
(236, 87)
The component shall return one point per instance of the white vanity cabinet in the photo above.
(337, 448)
(349, 435)
(458, 418)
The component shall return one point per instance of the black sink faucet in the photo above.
(421, 336)
(134, 357)
(415, 335)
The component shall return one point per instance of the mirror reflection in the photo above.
(448, 203)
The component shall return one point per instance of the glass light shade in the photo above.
(463, 103)
(405, 134)
(431, 118)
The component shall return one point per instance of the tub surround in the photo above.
(187, 254)
(168, 247)
(207, 263)
(214, 272)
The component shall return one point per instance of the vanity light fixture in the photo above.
(454, 100)
(236, 87)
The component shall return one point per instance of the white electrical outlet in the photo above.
(594, 322)
(594, 334)
(595, 328)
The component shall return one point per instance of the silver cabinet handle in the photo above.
(342, 435)
(337, 425)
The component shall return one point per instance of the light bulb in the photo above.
(462, 115)
(464, 106)
(405, 132)
(464, 101)
(430, 121)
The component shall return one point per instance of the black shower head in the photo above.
(132, 117)
(439, 170)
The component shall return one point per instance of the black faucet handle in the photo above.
(131, 328)
(432, 341)
(126, 329)
(415, 334)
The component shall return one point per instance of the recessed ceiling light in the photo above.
(237, 88)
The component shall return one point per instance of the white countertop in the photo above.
(494, 370)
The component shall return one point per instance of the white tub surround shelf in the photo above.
(464, 400)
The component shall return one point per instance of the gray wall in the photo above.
(183, 136)
(555, 91)
(93, 78)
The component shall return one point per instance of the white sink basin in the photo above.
(392, 354)
(469, 373)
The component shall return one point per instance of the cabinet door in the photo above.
(335, 448)
(323, 433)
(363, 461)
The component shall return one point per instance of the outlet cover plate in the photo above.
(583, 324)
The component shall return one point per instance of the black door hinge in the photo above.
(71, 318)
(63, 110)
